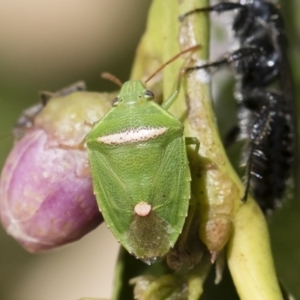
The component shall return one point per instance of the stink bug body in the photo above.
(140, 172)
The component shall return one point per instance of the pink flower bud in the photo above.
(46, 193)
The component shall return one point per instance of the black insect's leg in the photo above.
(220, 7)
(241, 58)
(262, 104)
(259, 131)
(274, 159)
(216, 64)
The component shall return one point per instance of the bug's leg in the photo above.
(187, 252)
(167, 103)
(220, 7)
(81, 146)
(196, 142)
(187, 224)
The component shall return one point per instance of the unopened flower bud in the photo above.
(46, 193)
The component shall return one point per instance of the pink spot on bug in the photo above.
(142, 209)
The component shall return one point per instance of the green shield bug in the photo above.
(140, 171)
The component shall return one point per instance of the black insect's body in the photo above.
(265, 117)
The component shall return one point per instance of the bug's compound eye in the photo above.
(149, 95)
(114, 101)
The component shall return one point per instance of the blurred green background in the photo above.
(46, 45)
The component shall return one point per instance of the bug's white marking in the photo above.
(142, 209)
(132, 136)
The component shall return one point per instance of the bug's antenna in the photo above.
(112, 78)
(191, 49)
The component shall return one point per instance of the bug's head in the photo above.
(133, 93)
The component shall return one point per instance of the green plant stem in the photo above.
(215, 184)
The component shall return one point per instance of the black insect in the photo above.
(263, 92)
